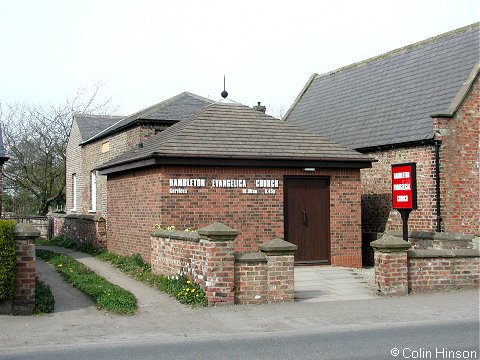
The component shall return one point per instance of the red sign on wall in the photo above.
(404, 186)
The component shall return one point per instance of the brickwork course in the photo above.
(399, 107)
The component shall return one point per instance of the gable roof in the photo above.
(236, 134)
(89, 125)
(170, 111)
(389, 99)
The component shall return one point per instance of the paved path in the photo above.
(329, 283)
(148, 299)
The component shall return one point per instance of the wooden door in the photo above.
(307, 218)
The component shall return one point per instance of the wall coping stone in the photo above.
(250, 257)
(389, 243)
(278, 246)
(425, 235)
(441, 253)
(25, 231)
(177, 234)
(218, 232)
(88, 217)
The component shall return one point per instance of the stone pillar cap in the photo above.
(390, 243)
(218, 232)
(279, 246)
(25, 230)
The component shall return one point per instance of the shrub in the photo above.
(44, 300)
(7, 259)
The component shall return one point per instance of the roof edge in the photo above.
(461, 94)
(157, 159)
(399, 50)
(300, 96)
(369, 149)
(147, 112)
(100, 136)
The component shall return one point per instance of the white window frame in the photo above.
(74, 192)
(93, 191)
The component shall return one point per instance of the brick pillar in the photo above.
(391, 266)
(280, 270)
(251, 278)
(24, 296)
(216, 240)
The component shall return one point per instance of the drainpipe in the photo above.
(437, 183)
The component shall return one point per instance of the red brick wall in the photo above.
(442, 273)
(459, 177)
(377, 212)
(391, 273)
(460, 166)
(251, 285)
(139, 199)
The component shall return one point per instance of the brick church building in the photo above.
(416, 104)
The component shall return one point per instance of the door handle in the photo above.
(304, 213)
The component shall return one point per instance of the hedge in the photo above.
(7, 259)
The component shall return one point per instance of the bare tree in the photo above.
(35, 139)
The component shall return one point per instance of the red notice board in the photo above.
(404, 186)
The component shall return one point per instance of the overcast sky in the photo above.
(147, 51)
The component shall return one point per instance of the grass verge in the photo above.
(178, 286)
(106, 295)
(44, 300)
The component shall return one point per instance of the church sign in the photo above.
(257, 186)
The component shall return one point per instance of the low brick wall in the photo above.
(208, 258)
(84, 229)
(424, 270)
(438, 270)
(41, 223)
(441, 241)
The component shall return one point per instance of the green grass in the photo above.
(106, 295)
(44, 300)
(178, 286)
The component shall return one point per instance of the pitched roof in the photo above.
(89, 125)
(236, 132)
(172, 110)
(389, 99)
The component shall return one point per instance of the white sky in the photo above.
(146, 51)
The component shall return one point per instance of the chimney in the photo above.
(260, 108)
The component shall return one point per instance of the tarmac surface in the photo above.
(77, 321)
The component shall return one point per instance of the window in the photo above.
(93, 191)
(74, 192)
(105, 147)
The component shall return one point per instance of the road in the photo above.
(414, 340)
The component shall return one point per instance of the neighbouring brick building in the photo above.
(96, 139)
(417, 104)
(232, 164)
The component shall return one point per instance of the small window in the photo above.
(74, 192)
(93, 191)
(106, 147)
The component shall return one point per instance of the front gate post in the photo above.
(391, 266)
(24, 295)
